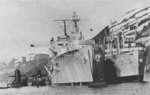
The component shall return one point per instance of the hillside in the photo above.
(28, 67)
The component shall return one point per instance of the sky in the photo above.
(23, 22)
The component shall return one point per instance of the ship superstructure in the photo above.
(67, 42)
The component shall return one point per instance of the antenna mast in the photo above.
(65, 27)
(74, 19)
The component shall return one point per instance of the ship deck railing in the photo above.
(109, 52)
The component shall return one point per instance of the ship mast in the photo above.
(74, 19)
(65, 27)
(65, 30)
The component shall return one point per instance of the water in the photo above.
(131, 88)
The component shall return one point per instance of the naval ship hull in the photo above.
(129, 66)
(74, 67)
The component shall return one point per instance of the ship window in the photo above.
(60, 44)
(106, 42)
(132, 27)
(114, 44)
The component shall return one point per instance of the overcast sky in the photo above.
(23, 22)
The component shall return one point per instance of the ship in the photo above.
(103, 58)
(72, 61)
(128, 41)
